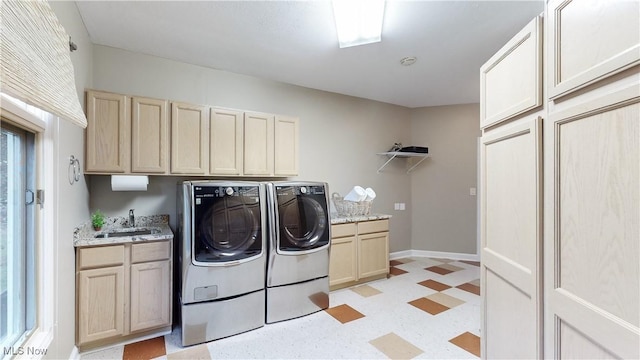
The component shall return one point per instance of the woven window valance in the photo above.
(35, 65)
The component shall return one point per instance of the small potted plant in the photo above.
(97, 220)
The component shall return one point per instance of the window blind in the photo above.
(35, 65)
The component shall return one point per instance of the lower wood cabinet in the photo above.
(359, 253)
(150, 285)
(100, 304)
(123, 292)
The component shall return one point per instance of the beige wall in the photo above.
(443, 212)
(340, 135)
(71, 201)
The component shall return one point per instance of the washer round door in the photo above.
(229, 229)
(303, 222)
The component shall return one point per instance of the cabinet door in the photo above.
(150, 295)
(108, 133)
(226, 142)
(511, 81)
(100, 304)
(343, 261)
(594, 279)
(511, 242)
(373, 254)
(286, 146)
(189, 139)
(149, 141)
(590, 40)
(258, 144)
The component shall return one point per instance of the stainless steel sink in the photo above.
(124, 233)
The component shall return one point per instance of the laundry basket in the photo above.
(350, 208)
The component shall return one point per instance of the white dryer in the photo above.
(222, 256)
(299, 241)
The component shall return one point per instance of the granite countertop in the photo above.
(84, 235)
(335, 219)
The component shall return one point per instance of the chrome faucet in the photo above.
(132, 219)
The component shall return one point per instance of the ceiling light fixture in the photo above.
(358, 22)
(409, 60)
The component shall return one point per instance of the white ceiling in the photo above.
(295, 42)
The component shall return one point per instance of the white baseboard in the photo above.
(433, 254)
(400, 254)
(75, 354)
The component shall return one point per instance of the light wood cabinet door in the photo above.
(258, 144)
(593, 265)
(373, 254)
(511, 242)
(108, 142)
(511, 80)
(589, 41)
(149, 136)
(226, 142)
(189, 139)
(100, 303)
(286, 146)
(343, 260)
(150, 295)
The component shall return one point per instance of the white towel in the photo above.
(370, 194)
(356, 194)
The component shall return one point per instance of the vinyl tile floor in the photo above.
(427, 309)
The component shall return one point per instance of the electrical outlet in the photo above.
(472, 191)
(401, 206)
(396, 206)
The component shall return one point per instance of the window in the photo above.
(17, 235)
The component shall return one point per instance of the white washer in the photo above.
(299, 241)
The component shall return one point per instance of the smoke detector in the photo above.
(409, 60)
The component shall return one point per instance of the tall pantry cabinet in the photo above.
(511, 189)
(561, 188)
(592, 171)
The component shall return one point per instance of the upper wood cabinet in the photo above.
(511, 80)
(258, 144)
(137, 135)
(149, 131)
(189, 139)
(590, 40)
(226, 142)
(270, 145)
(108, 148)
(126, 135)
(286, 146)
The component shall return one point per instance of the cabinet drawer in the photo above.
(341, 230)
(101, 256)
(373, 226)
(151, 251)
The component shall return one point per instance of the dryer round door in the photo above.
(228, 231)
(304, 224)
